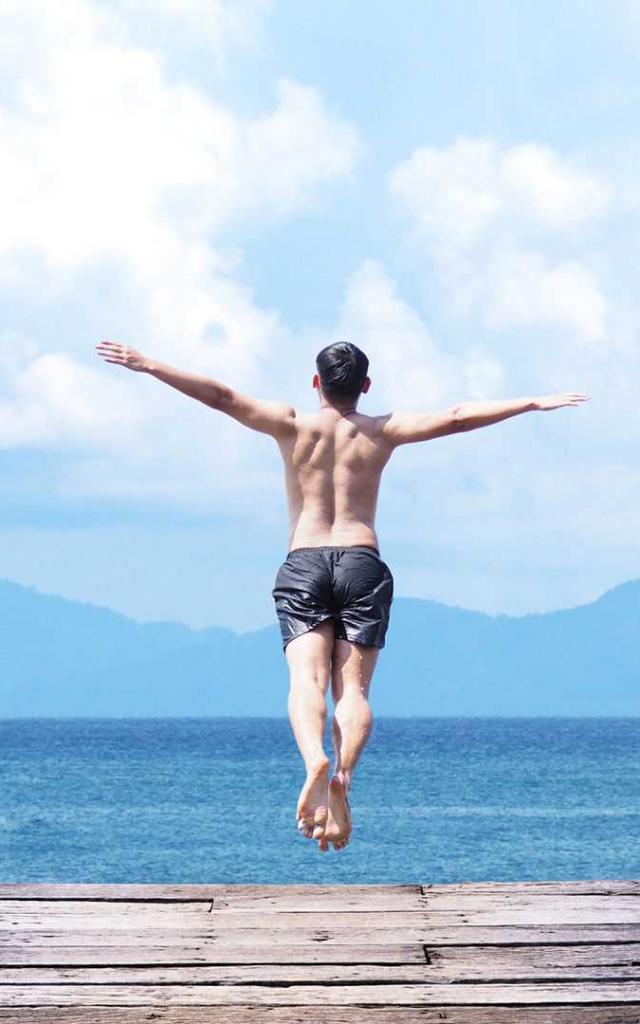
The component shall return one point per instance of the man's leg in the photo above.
(309, 658)
(352, 670)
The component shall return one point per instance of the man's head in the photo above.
(342, 373)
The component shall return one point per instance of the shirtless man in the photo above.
(333, 591)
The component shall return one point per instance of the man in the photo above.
(333, 591)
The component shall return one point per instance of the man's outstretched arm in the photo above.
(275, 418)
(405, 427)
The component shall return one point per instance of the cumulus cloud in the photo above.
(523, 289)
(410, 369)
(111, 163)
(504, 227)
(406, 365)
(106, 157)
(57, 400)
(457, 193)
(518, 241)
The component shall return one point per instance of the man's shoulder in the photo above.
(375, 425)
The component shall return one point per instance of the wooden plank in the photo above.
(541, 902)
(316, 897)
(250, 897)
(29, 910)
(111, 893)
(311, 974)
(469, 970)
(73, 890)
(466, 960)
(209, 953)
(198, 916)
(595, 887)
(462, 963)
(433, 935)
(330, 995)
(255, 896)
(413, 903)
(617, 1013)
(185, 915)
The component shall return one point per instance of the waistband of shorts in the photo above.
(337, 547)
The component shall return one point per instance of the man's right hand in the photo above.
(547, 402)
(113, 352)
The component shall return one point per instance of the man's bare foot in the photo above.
(338, 828)
(312, 809)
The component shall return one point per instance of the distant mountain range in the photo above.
(61, 658)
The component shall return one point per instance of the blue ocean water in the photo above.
(212, 801)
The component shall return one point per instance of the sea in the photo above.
(212, 800)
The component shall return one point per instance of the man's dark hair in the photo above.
(342, 369)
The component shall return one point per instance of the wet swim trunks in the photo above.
(351, 585)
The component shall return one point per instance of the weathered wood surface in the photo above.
(441, 910)
(536, 953)
(269, 935)
(250, 897)
(456, 962)
(200, 893)
(611, 1013)
(177, 954)
(301, 897)
(331, 995)
(464, 969)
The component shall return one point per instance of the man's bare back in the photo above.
(333, 464)
(333, 591)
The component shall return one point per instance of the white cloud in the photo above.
(108, 162)
(111, 159)
(520, 244)
(409, 368)
(217, 21)
(406, 367)
(56, 400)
(548, 189)
(452, 193)
(524, 289)
(484, 375)
(457, 193)
(503, 227)
(292, 150)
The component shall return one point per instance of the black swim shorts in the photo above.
(351, 585)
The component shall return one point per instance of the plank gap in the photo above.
(328, 982)
(536, 942)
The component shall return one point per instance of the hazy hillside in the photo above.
(61, 657)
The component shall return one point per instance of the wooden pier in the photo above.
(475, 953)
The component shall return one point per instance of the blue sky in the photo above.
(230, 185)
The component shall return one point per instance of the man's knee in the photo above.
(310, 678)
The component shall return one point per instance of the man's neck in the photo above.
(342, 410)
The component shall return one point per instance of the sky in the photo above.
(229, 185)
